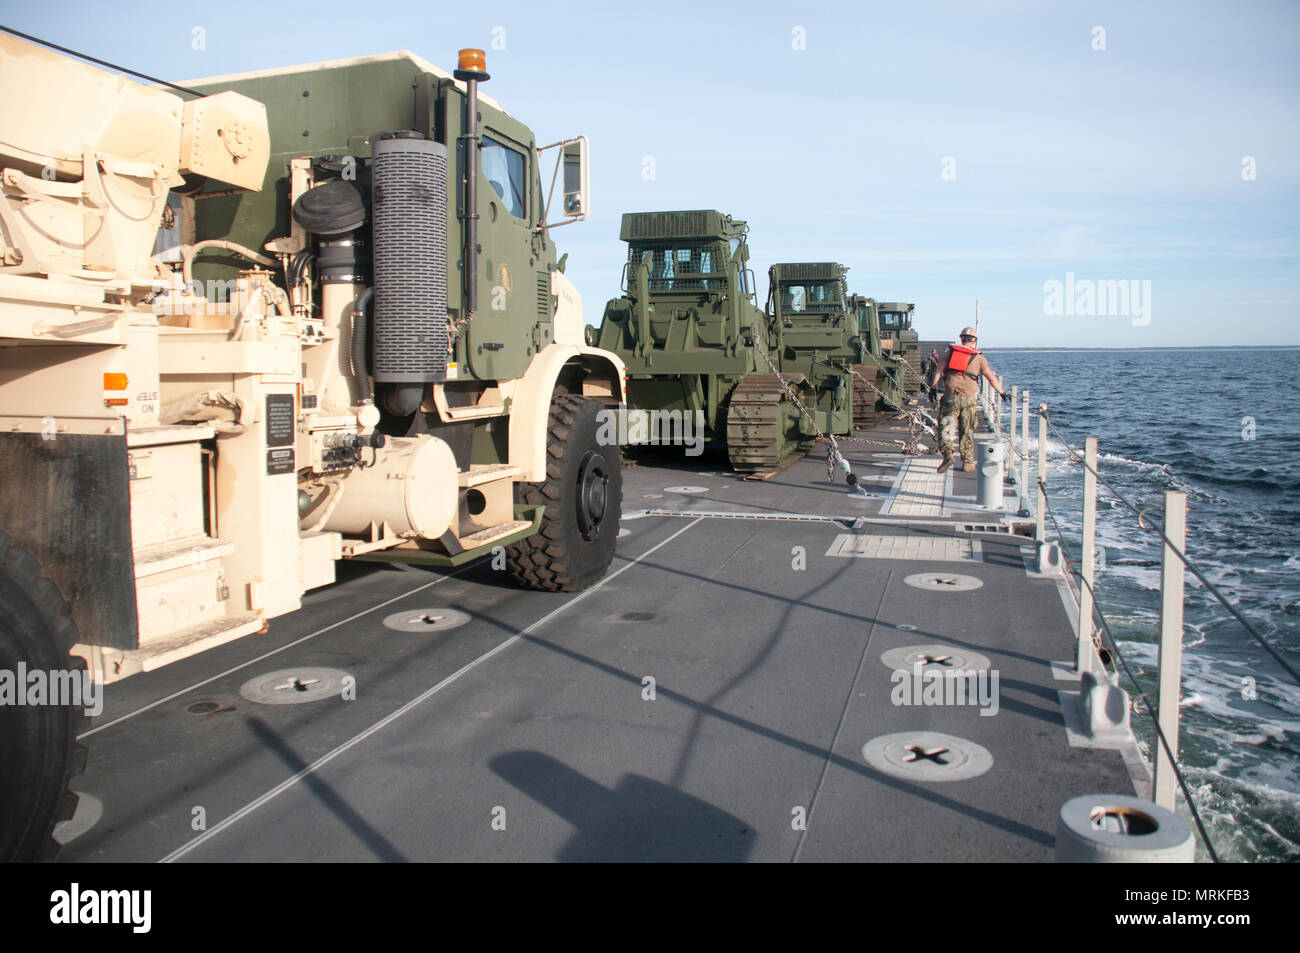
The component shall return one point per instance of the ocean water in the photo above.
(1223, 427)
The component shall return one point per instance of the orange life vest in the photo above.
(959, 358)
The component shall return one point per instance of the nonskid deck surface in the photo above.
(531, 732)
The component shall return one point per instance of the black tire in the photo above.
(583, 495)
(39, 753)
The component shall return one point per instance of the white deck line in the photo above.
(414, 703)
(266, 655)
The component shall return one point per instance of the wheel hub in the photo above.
(593, 495)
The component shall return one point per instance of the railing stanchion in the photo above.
(1011, 432)
(997, 405)
(1087, 568)
(1024, 444)
(1042, 474)
(1170, 663)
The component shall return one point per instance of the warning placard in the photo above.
(279, 420)
(279, 460)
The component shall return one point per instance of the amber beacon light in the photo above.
(471, 64)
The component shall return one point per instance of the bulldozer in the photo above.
(691, 333)
(807, 306)
(257, 324)
(901, 341)
(878, 378)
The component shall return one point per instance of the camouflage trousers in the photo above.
(957, 425)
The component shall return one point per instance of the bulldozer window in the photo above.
(681, 269)
(803, 297)
(505, 169)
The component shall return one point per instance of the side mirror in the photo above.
(575, 179)
(571, 160)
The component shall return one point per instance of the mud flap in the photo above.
(67, 502)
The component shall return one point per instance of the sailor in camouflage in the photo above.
(961, 369)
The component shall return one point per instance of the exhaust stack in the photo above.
(471, 69)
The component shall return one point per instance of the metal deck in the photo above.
(760, 610)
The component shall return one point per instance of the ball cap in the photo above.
(968, 332)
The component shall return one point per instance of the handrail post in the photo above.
(997, 405)
(1011, 431)
(1042, 473)
(1024, 443)
(1087, 568)
(1170, 663)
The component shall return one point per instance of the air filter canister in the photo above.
(409, 195)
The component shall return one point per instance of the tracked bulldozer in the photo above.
(693, 338)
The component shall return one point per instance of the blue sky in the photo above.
(1123, 163)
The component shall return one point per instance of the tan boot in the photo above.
(946, 462)
(968, 467)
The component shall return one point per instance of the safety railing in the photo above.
(1093, 624)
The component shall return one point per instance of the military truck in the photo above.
(807, 304)
(874, 365)
(900, 340)
(254, 326)
(685, 326)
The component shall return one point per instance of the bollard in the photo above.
(1050, 560)
(1117, 829)
(1105, 706)
(991, 456)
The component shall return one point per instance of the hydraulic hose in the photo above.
(360, 342)
(188, 253)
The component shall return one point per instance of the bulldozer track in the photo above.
(759, 420)
(864, 399)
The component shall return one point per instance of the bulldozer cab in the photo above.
(808, 309)
(685, 282)
(324, 120)
(804, 294)
(899, 340)
(680, 267)
(868, 322)
(809, 297)
(685, 253)
(895, 319)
